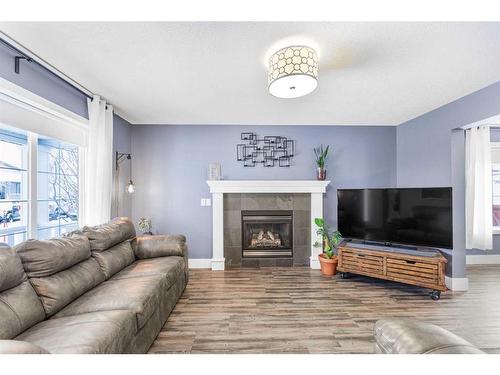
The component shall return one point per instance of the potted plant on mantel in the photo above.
(328, 259)
(321, 155)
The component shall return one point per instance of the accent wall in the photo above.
(430, 152)
(171, 162)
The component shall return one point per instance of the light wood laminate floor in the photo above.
(296, 310)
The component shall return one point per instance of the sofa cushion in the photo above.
(140, 295)
(169, 267)
(11, 269)
(20, 347)
(95, 332)
(59, 269)
(104, 236)
(47, 257)
(115, 258)
(20, 307)
(60, 289)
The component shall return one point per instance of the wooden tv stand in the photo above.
(421, 268)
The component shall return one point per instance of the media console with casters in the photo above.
(425, 268)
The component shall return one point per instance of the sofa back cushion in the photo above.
(115, 258)
(20, 307)
(45, 258)
(60, 269)
(104, 236)
(110, 244)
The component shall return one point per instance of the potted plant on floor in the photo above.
(328, 259)
(321, 155)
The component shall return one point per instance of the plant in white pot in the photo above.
(328, 259)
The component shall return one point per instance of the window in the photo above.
(55, 184)
(495, 166)
(57, 188)
(13, 186)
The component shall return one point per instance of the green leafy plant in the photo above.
(330, 239)
(321, 155)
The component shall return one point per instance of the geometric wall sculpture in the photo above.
(271, 150)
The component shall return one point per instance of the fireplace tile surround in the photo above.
(230, 197)
(235, 203)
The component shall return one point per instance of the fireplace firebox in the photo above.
(267, 234)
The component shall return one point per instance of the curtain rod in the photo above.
(25, 53)
(493, 122)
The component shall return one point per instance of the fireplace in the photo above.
(267, 234)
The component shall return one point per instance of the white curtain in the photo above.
(478, 189)
(98, 163)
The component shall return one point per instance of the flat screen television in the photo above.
(413, 216)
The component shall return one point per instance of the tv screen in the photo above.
(414, 216)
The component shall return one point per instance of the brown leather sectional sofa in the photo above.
(98, 290)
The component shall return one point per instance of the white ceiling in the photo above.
(214, 73)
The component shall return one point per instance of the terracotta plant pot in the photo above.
(328, 266)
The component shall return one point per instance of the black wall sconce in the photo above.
(120, 156)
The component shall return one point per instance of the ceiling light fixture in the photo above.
(293, 72)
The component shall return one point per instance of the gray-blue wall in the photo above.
(170, 168)
(424, 143)
(39, 81)
(426, 155)
(122, 142)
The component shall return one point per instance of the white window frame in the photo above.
(32, 177)
(24, 110)
(495, 146)
(32, 184)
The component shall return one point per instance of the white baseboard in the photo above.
(218, 264)
(314, 263)
(457, 283)
(200, 263)
(483, 259)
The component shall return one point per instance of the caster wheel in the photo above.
(435, 295)
(343, 275)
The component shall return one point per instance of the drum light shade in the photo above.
(293, 72)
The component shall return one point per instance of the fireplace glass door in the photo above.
(267, 234)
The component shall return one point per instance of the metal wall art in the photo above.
(269, 151)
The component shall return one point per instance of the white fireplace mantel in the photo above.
(220, 187)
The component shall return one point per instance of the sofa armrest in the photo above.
(159, 246)
(406, 336)
(162, 246)
(20, 347)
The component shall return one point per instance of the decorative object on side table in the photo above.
(331, 240)
(145, 226)
(321, 155)
(268, 151)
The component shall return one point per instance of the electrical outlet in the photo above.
(205, 202)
